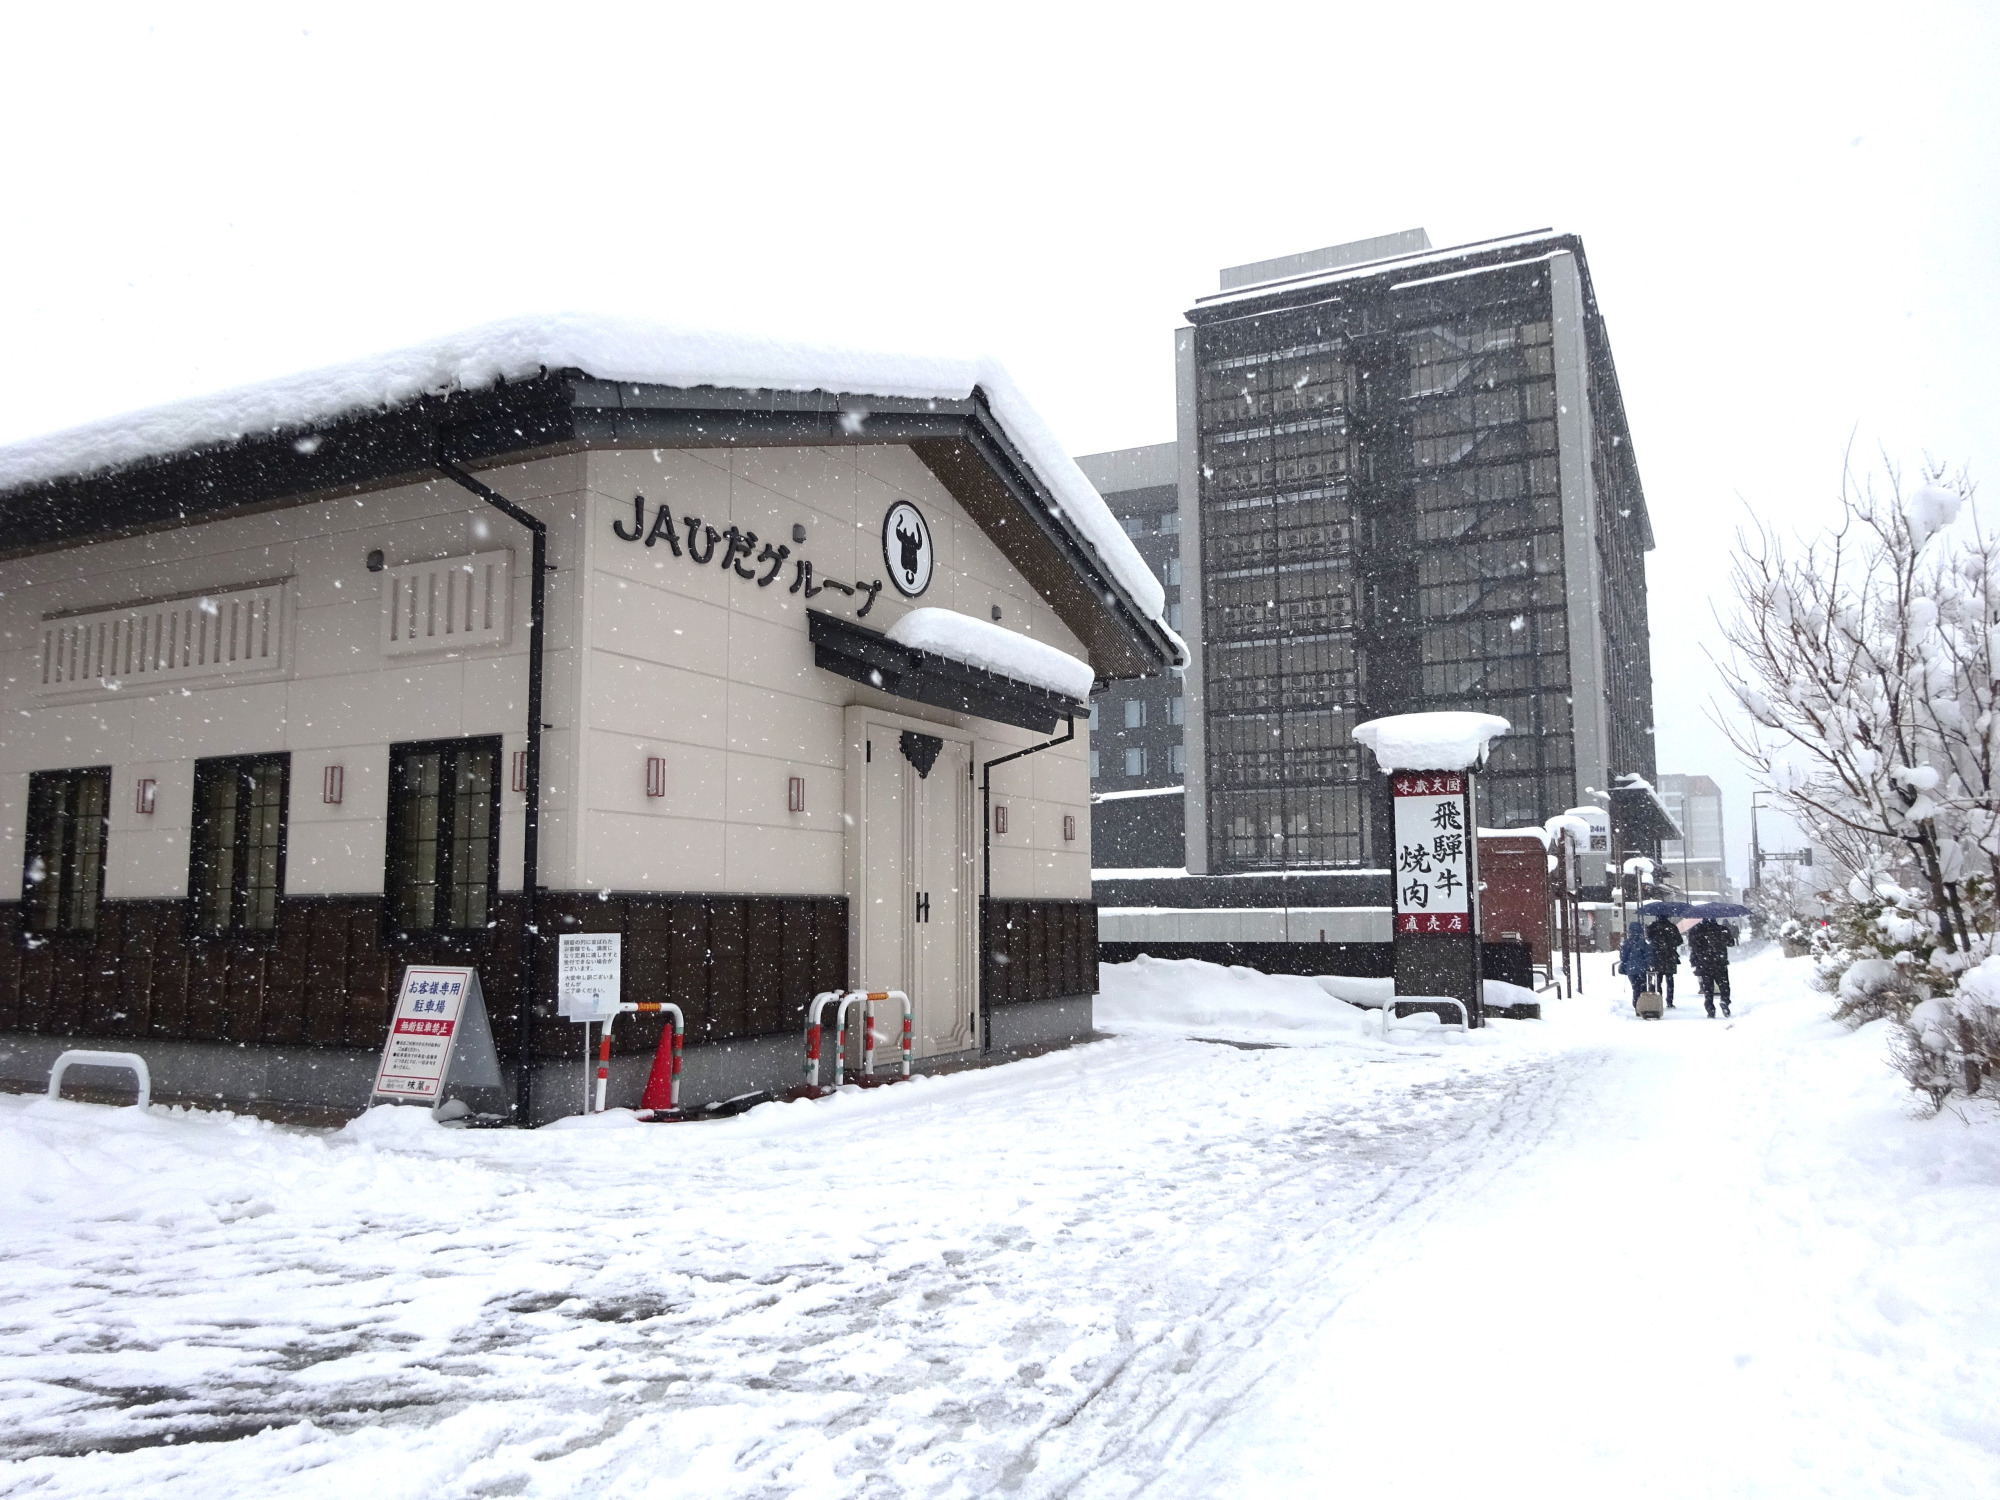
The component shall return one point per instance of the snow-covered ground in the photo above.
(1588, 1256)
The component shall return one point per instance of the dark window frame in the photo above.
(241, 923)
(66, 924)
(446, 872)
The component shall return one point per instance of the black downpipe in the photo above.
(531, 829)
(986, 885)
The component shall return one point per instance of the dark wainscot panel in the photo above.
(1039, 950)
(738, 966)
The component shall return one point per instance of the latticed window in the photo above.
(62, 877)
(237, 869)
(444, 847)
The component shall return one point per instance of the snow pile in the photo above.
(1373, 993)
(393, 1125)
(1451, 741)
(1500, 992)
(610, 1119)
(979, 643)
(611, 349)
(1376, 993)
(1190, 996)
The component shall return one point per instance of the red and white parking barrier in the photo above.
(847, 1003)
(603, 1064)
(843, 1002)
(815, 1011)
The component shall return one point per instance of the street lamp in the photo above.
(1756, 850)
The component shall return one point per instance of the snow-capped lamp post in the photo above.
(1432, 761)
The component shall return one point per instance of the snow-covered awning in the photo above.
(528, 386)
(994, 648)
(947, 678)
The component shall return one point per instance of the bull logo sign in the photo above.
(906, 549)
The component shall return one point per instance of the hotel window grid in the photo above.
(1278, 533)
(1481, 410)
(62, 878)
(237, 845)
(444, 847)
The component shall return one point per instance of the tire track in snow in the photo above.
(1159, 1406)
(1016, 1331)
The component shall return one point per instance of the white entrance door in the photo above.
(915, 927)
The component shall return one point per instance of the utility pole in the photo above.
(1756, 850)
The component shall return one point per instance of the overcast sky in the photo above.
(1790, 212)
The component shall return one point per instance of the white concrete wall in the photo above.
(339, 703)
(648, 654)
(716, 674)
(1245, 924)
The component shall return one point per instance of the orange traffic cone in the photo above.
(663, 1084)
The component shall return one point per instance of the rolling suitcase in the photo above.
(1650, 1005)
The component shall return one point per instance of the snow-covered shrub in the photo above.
(1951, 1043)
(1871, 988)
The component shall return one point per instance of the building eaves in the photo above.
(560, 411)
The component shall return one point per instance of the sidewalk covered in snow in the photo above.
(1237, 1248)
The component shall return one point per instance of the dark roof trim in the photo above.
(871, 658)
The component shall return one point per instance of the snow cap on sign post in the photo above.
(1445, 741)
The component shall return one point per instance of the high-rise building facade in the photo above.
(1695, 862)
(1138, 751)
(1407, 483)
(1135, 727)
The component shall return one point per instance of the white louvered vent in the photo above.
(451, 603)
(232, 635)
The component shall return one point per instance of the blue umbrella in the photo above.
(1673, 909)
(1717, 910)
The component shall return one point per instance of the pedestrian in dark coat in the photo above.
(1635, 959)
(1666, 940)
(1708, 956)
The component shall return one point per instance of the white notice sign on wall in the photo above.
(588, 975)
(417, 1057)
(1433, 852)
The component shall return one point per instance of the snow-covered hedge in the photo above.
(1951, 1043)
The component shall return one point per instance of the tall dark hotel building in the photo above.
(1405, 482)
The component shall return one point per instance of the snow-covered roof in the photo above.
(1578, 829)
(611, 349)
(994, 648)
(1660, 822)
(1447, 741)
